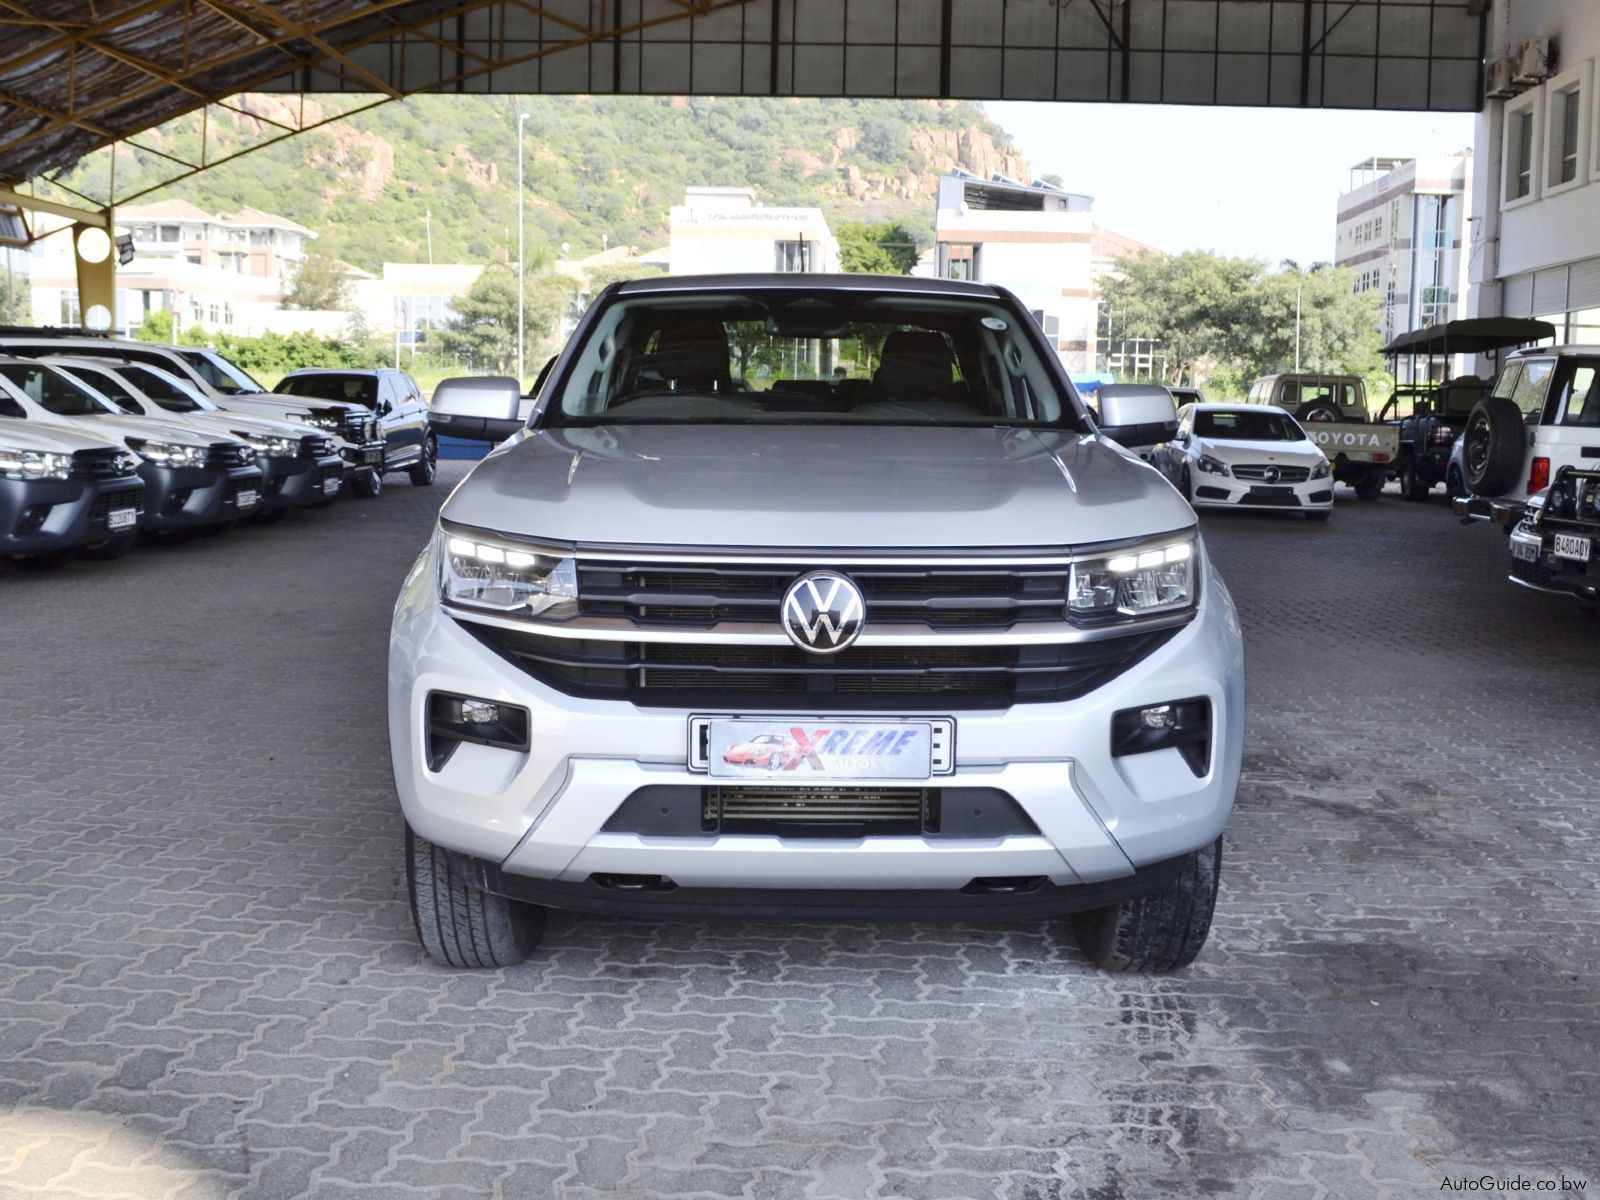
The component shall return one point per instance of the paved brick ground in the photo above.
(209, 986)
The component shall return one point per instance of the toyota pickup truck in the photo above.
(1333, 411)
(865, 520)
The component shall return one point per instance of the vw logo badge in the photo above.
(823, 612)
(1272, 474)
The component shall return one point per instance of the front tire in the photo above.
(1161, 930)
(367, 484)
(422, 474)
(111, 548)
(1319, 515)
(1369, 486)
(459, 924)
(1410, 486)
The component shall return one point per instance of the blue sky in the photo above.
(1245, 181)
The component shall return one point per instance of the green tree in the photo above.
(484, 330)
(886, 249)
(1229, 319)
(320, 282)
(156, 326)
(16, 308)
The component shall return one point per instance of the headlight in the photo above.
(270, 445)
(480, 571)
(34, 464)
(1153, 578)
(1322, 470)
(169, 454)
(1212, 466)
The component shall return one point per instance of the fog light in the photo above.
(1182, 725)
(1158, 717)
(480, 712)
(453, 720)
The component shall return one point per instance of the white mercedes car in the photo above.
(1246, 456)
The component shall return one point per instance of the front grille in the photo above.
(242, 485)
(1261, 471)
(316, 446)
(108, 502)
(746, 809)
(941, 598)
(1573, 500)
(329, 472)
(229, 455)
(1535, 573)
(858, 678)
(102, 464)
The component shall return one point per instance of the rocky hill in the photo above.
(598, 169)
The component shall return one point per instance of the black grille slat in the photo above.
(1260, 472)
(100, 464)
(108, 502)
(861, 677)
(939, 598)
(227, 454)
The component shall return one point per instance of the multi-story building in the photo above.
(1042, 243)
(1536, 246)
(719, 229)
(221, 270)
(1401, 229)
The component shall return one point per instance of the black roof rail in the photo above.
(52, 331)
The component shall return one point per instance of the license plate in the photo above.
(330, 487)
(245, 500)
(371, 458)
(1573, 547)
(1526, 551)
(805, 749)
(122, 518)
(1262, 489)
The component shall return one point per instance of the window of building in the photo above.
(70, 311)
(169, 233)
(791, 256)
(1521, 128)
(1377, 227)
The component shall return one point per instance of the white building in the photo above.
(723, 229)
(225, 271)
(1036, 240)
(1401, 229)
(1535, 241)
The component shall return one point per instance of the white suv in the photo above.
(814, 594)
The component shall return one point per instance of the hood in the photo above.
(150, 429)
(1264, 452)
(237, 425)
(264, 404)
(816, 486)
(25, 434)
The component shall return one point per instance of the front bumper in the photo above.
(540, 815)
(292, 482)
(42, 516)
(367, 456)
(196, 497)
(1224, 491)
(1534, 565)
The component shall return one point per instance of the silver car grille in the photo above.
(1263, 471)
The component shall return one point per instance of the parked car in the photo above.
(1430, 417)
(192, 479)
(1012, 674)
(1555, 547)
(1246, 456)
(351, 428)
(1332, 409)
(395, 402)
(297, 468)
(61, 490)
(1541, 415)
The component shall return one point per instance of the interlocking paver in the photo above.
(211, 989)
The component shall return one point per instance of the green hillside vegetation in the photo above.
(597, 168)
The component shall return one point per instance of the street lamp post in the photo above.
(1299, 282)
(522, 327)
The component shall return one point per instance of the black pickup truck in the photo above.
(1430, 418)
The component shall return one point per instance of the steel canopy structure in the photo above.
(76, 77)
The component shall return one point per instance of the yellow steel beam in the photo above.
(83, 216)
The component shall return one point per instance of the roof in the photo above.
(255, 216)
(1471, 335)
(163, 210)
(800, 281)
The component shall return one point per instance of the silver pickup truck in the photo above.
(817, 594)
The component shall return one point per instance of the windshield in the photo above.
(819, 356)
(109, 386)
(221, 374)
(54, 392)
(1247, 427)
(350, 389)
(166, 390)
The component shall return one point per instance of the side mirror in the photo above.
(1138, 416)
(384, 408)
(480, 408)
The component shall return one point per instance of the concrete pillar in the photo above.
(94, 250)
